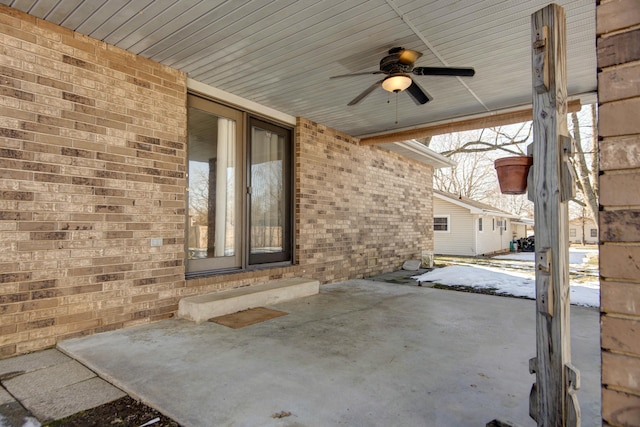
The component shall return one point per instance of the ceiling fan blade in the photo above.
(418, 94)
(408, 56)
(364, 73)
(366, 92)
(444, 71)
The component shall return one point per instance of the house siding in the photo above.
(619, 131)
(92, 167)
(492, 240)
(518, 231)
(461, 238)
(576, 228)
(464, 238)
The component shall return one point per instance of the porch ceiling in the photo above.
(281, 53)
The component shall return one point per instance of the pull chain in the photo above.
(396, 107)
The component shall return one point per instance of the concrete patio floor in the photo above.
(361, 353)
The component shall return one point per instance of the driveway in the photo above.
(361, 353)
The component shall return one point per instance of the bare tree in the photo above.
(585, 160)
(199, 194)
(475, 151)
(496, 139)
(468, 178)
(474, 174)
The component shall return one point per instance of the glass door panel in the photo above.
(214, 223)
(269, 215)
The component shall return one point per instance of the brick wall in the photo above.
(618, 45)
(361, 210)
(92, 166)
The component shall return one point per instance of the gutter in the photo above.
(419, 152)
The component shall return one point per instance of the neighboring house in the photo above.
(462, 226)
(583, 231)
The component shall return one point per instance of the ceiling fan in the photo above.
(397, 65)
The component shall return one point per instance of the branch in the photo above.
(482, 146)
(580, 165)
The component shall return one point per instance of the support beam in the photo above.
(553, 402)
(499, 119)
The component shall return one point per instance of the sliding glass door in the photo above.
(240, 190)
(215, 183)
(270, 189)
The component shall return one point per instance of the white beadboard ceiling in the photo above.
(281, 53)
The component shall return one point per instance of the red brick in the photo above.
(620, 297)
(619, 83)
(619, 117)
(620, 409)
(620, 225)
(615, 15)
(614, 189)
(7, 350)
(618, 48)
(620, 335)
(620, 262)
(621, 371)
(620, 153)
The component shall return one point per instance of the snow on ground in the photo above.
(504, 282)
(576, 256)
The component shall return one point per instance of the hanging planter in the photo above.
(512, 173)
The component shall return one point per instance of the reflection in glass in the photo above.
(212, 172)
(267, 191)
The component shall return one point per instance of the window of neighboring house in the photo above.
(240, 189)
(479, 224)
(441, 223)
(572, 232)
(594, 232)
(493, 224)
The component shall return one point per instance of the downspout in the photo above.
(476, 235)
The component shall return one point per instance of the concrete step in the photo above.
(200, 308)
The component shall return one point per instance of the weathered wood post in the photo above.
(553, 401)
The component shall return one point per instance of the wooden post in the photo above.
(553, 402)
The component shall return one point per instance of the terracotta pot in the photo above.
(512, 174)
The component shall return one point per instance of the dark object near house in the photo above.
(527, 244)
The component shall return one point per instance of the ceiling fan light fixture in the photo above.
(396, 83)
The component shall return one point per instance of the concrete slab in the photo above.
(5, 397)
(200, 308)
(47, 380)
(72, 399)
(412, 265)
(32, 362)
(359, 353)
(12, 413)
(48, 385)
(400, 277)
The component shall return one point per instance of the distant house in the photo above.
(462, 226)
(583, 231)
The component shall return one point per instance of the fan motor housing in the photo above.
(391, 64)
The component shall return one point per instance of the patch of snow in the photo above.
(506, 282)
(576, 256)
(26, 422)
